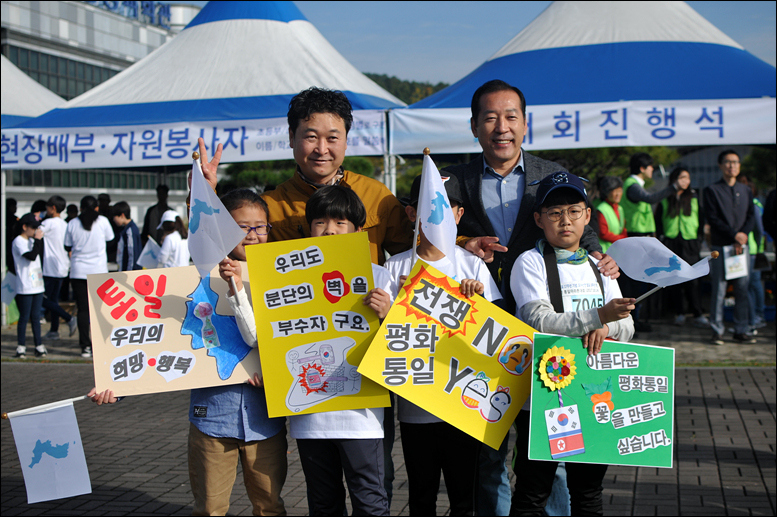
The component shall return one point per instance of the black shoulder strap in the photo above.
(598, 276)
(554, 282)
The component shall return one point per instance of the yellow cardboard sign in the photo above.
(166, 329)
(313, 327)
(464, 360)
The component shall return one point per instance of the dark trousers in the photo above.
(81, 294)
(534, 479)
(52, 285)
(430, 449)
(324, 461)
(29, 310)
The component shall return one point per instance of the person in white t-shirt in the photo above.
(427, 441)
(56, 264)
(27, 249)
(175, 248)
(348, 442)
(86, 237)
(558, 289)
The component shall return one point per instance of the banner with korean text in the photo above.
(166, 329)
(313, 327)
(597, 124)
(615, 407)
(170, 144)
(462, 359)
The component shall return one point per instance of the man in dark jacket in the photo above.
(497, 187)
(498, 191)
(728, 209)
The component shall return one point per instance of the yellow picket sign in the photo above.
(313, 328)
(464, 360)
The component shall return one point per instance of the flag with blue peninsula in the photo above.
(213, 234)
(51, 454)
(434, 211)
(647, 260)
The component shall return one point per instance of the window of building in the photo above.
(65, 77)
(96, 178)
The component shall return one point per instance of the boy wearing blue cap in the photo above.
(558, 289)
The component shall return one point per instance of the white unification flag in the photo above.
(434, 212)
(213, 234)
(51, 453)
(149, 257)
(647, 260)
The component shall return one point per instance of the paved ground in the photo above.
(136, 450)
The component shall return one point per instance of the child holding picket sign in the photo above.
(230, 423)
(588, 305)
(347, 442)
(431, 446)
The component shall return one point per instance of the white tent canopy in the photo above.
(23, 98)
(228, 77)
(610, 74)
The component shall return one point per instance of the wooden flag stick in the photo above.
(418, 219)
(44, 407)
(657, 288)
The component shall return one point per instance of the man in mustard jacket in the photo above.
(319, 121)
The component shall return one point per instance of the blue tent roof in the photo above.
(664, 71)
(234, 61)
(582, 52)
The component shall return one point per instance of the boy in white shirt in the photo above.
(428, 442)
(559, 290)
(346, 442)
(56, 265)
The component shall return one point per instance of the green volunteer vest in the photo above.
(685, 225)
(639, 216)
(614, 222)
(754, 246)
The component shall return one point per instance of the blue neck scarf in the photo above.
(563, 256)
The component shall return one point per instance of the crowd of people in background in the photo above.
(52, 249)
(727, 213)
(518, 218)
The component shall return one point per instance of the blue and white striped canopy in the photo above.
(603, 54)
(229, 77)
(235, 60)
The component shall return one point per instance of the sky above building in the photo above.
(444, 41)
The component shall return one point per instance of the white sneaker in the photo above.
(87, 353)
(51, 335)
(680, 320)
(701, 321)
(21, 352)
(73, 325)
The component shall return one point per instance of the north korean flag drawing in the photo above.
(564, 432)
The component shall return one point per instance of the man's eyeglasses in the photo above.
(731, 162)
(574, 212)
(262, 229)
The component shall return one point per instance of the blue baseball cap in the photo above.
(555, 181)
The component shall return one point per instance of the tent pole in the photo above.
(389, 173)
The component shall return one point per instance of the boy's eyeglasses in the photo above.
(574, 212)
(262, 229)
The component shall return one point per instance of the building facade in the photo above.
(70, 47)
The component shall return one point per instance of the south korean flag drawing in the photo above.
(564, 432)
